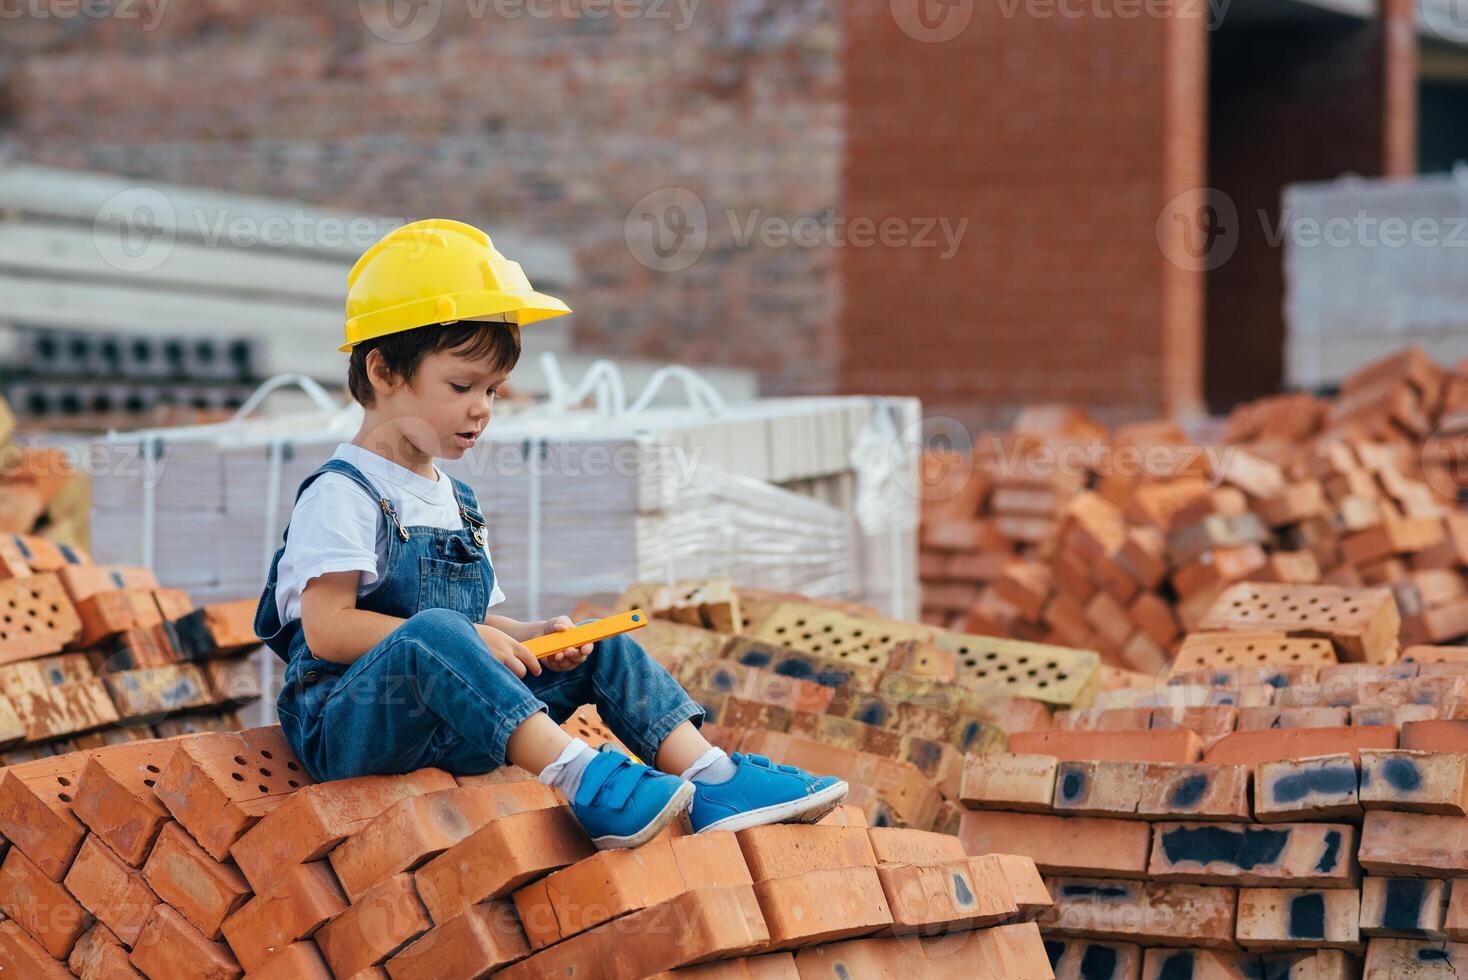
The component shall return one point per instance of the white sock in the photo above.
(714, 766)
(565, 773)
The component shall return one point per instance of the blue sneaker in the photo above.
(621, 803)
(762, 792)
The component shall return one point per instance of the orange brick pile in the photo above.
(41, 492)
(215, 856)
(92, 654)
(1060, 532)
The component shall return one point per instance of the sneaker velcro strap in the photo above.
(608, 781)
(764, 763)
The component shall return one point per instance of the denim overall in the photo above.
(431, 693)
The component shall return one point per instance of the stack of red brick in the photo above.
(216, 856)
(93, 654)
(41, 492)
(1060, 532)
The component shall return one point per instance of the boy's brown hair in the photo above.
(402, 352)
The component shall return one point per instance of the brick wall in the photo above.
(558, 126)
(1061, 139)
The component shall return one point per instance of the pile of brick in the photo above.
(216, 856)
(1233, 843)
(92, 654)
(41, 492)
(1059, 532)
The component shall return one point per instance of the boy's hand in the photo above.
(566, 659)
(509, 651)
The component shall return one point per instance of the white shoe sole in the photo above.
(807, 809)
(676, 804)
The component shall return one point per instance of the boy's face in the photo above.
(446, 405)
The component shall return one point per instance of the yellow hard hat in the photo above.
(438, 271)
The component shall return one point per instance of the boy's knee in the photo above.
(438, 624)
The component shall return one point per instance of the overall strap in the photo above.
(346, 469)
(468, 504)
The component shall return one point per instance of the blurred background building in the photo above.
(1047, 162)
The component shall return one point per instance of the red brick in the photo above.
(1265, 920)
(1124, 960)
(219, 784)
(35, 811)
(614, 883)
(1254, 719)
(500, 857)
(1142, 912)
(1409, 959)
(171, 949)
(474, 944)
(116, 894)
(1152, 790)
(893, 957)
(413, 830)
(100, 955)
(1169, 745)
(894, 845)
(1317, 788)
(1061, 845)
(1255, 747)
(294, 907)
(1422, 782)
(1410, 908)
(1008, 782)
(317, 818)
(771, 966)
(183, 874)
(1286, 854)
(377, 925)
(298, 961)
(946, 896)
(115, 797)
(823, 906)
(711, 923)
(1435, 736)
(40, 906)
(1413, 843)
(22, 957)
(780, 850)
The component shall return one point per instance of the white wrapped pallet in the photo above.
(1370, 267)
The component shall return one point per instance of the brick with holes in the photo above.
(185, 876)
(115, 799)
(35, 811)
(214, 787)
(41, 618)
(1362, 623)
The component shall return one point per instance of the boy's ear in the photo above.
(382, 377)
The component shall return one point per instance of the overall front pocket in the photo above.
(456, 585)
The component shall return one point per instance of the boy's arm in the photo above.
(514, 627)
(337, 630)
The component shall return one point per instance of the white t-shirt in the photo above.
(337, 527)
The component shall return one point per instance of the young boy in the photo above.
(379, 600)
